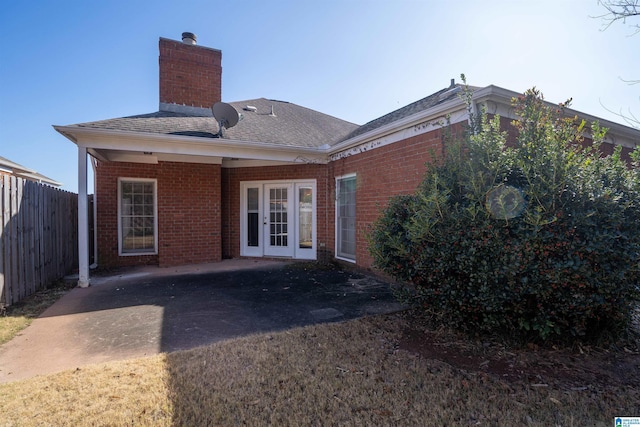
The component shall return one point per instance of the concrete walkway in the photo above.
(144, 311)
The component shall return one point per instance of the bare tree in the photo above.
(620, 10)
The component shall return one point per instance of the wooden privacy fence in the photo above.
(38, 236)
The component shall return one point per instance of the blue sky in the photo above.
(65, 62)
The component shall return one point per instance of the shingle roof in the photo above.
(290, 125)
(430, 101)
(164, 122)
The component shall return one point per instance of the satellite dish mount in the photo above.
(226, 115)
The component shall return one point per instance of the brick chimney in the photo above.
(190, 75)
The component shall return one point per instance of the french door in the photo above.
(276, 230)
(278, 219)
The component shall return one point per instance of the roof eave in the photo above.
(107, 139)
(617, 132)
(433, 113)
(37, 177)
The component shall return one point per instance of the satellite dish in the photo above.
(226, 115)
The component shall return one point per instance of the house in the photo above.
(9, 168)
(174, 187)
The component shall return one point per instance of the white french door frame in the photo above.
(255, 219)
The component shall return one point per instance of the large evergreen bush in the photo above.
(541, 240)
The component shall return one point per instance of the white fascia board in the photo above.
(421, 119)
(106, 139)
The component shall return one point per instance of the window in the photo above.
(137, 213)
(346, 218)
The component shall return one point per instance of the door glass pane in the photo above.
(278, 229)
(305, 221)
(253, 230)
(347, 218)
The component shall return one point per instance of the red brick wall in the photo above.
(199, 205)
(231, 179)
(188, 212)
(189, 74)
(380, 174)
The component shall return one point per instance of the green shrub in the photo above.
(540, 240)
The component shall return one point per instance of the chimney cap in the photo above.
(188, 38)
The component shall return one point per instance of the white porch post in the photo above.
(83, 220)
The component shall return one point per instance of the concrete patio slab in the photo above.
(147, 310)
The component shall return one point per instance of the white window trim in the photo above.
(155, 214)
(336, 226)
(258, 251)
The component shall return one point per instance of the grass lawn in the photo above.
(16, 317)
(371, 371)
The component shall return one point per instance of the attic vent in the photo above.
(250, 108)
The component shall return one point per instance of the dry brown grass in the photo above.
(15, 318)
(351, 373)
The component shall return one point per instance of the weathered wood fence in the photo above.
(38, 236)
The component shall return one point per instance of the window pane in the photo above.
(347, 218)
(305, 221)
(252, 199)
(137, 217)
(278, 217)
(253, 212)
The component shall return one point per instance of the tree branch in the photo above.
(620, 10)
(630, 119)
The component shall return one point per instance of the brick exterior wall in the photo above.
(380, 174)
(199, 205)
(189, 74)
(189, 212)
